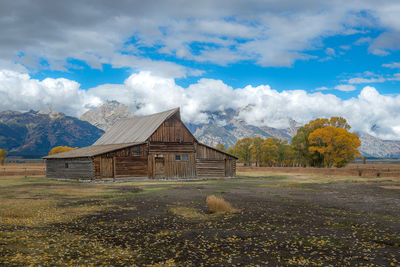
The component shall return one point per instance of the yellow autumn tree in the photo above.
(336, 146)
(220, 147)
(60, 149)
(270, 152)
(242, 150)
(256, 149)
(301, 142)
(3, 155)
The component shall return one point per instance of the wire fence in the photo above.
(22, 169)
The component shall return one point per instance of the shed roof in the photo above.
(90, 151)
(136, 129)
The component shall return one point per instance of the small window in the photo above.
(184, 157)
(136, 150)
(177, 157)
(66, 165)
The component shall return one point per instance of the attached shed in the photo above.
(155, 146)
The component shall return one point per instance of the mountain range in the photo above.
(226, 127)
(34, 133)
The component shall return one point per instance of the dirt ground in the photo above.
(283, 219)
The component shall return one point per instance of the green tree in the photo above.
(3, 155)
(231, 150)
(270, 152)
(242, 150)
(256, 149)
(220, 147)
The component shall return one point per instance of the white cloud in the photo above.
(322, 88)
(364, 80)
(374, 78)
(270, 33)
(330, 51)
(393, 65)
(19, 92)
(146, 93)
(345, 87)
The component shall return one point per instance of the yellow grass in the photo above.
(219, 205)
(37, 212)
(23, 169)
(393, 187)
(377, 170)
(290, 176)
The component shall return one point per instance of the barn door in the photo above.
(106, 168)
(228, 168)
(159, 167)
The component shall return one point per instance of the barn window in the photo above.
(66, 165)
(136, 150)
(181, 157)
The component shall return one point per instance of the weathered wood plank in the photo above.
(75, 168)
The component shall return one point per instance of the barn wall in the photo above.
(75, 168)
(165, 165)
(172, 130)
(213, 163)
(180, 168)
(126, 162)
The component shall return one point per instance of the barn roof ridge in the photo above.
(136, 129)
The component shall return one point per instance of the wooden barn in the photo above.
(157, 146)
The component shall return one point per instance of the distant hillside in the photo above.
(33, 134)
(378, 148)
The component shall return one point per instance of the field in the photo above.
(281, 218)
(24, 169)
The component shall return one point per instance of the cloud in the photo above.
(269, 33)
(330, 51)
(393, 65)
(364, 80)
(374, 78)
(19, 91)
(345, 87)
(146, 93)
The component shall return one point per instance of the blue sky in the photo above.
(314, 58)
(336, 60)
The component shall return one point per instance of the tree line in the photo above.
(320, 143)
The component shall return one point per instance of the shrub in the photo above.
(219, 205)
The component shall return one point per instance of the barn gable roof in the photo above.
(136, 129)
(90, 151)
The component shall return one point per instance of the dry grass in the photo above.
(35, 201)
(36, 212)
(376, 170)
(30, 169)
(219, 205)
(298, 175)
(393, 187)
